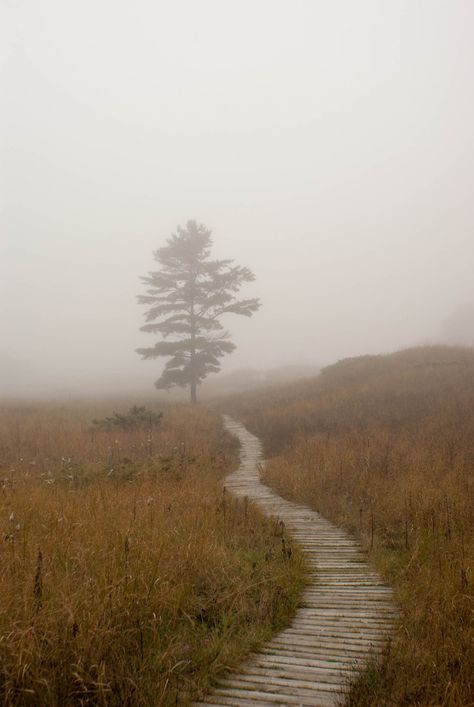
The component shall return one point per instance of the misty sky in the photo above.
(328, 145)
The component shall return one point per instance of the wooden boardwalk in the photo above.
(345, 615)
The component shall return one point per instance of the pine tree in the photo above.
(188, 296)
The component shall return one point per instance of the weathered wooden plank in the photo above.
(328, 642)
(327, 651)
(309, 660)
(222, 701)
(267, 683)
(317, 699)
(270, 672)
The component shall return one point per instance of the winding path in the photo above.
(345, 615)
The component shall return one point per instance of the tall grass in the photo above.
(128, 576)
(385, 447)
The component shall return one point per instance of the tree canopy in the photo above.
(188, 295)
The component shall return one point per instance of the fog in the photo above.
(328, 145)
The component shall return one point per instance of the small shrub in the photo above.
(137, 417)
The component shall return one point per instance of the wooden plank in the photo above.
(317, 699)
(311, 628)
(222, 701)
(328, 642)
(273, 683)
(270, 671)
(309, 660)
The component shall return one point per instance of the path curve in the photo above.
(345, 616)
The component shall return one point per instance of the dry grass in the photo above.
(128, 577)
(385, 447)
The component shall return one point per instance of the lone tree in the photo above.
(188, 296)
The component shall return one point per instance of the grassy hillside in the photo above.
(384, 445)
(127, 576)
(252, 379)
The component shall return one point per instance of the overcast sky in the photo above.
(329, 145)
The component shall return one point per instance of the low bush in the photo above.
(138, 416)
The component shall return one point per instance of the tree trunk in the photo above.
(193, 354)
(193, 371)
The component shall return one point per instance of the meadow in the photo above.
(384, 446)
(129, 577)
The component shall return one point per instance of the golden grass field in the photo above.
(384, 446)
(128, 576)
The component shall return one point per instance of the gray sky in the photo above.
(328, 145)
